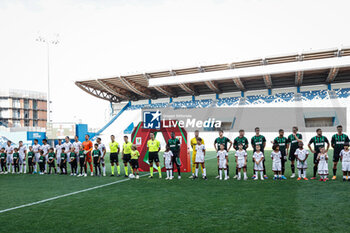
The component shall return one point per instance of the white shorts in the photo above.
(222, 164)
(301, 165)
(276, 166)
(9, 159)
(22, 160)
(168, 165)
(102, 160)
(58, 161)
(240, 163)
(37, 157)
(199, 158)
(258, 167)
(345, 166)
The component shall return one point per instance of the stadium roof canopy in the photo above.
(311, 68)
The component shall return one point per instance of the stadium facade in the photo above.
(313, 79)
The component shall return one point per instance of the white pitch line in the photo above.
(65, 195)
(70, 194)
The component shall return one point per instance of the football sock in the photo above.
(228, 170)
(236, 171)
(239, 175)
(220, 173)
(9, 167)
(344, 177)
(178, 170)
(24, 168)
(262, 174)
(91, 168)
(293, 168)
(225, 174)
(126, 170)
(299, 173)
(159, 172)
(334, 171)
(167, 173)
(171, 173)
(304, 173)
(118, 169)
(204, 172)
(112, 169)
(245, 174)
(20, 167)
(201, 168)
(193, 168)
(104, 169)
(256, 174)
(218, 170)
(151, 170)
(196, 172)
(13, 168)
(275, 175)
(315, 171)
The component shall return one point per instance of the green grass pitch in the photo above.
(153, 205)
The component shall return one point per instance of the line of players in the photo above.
(282, 146)
(84, 153)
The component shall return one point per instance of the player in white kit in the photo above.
(345, 161)
(222, 156)
(67, 148)
(76, 147)
(102, 149)
(301, 155)
(322, 158)
(45, 148)
(22, 150)
(200, 148)
(58, 154)
(276, 161)
(36, 150)
(168, 156)
(258, 158)
(241, 162)
(9, 151)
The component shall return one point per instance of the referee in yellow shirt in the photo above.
(153, 149)
(113, 156)
(126, 154)
(194, 152)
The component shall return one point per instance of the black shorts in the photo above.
(283, 156)
(292, 155)
(315, 158)
(336, 156)
(96, 161)
(153, 157)
(30, 161)
(113, 157)
(51, 164)
(134, 163)
(126, 158)
(81, 161)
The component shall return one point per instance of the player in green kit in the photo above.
(82, 162)
(51, 160)
(281, 141)
(15, 161)
(174, 145)
(96, 155)
(338, 141)
(319, 141)
(225, 141)
(260, 140)
(153, 146)
(241, 139)
(63, 163)
(292, 146)
(113, 157)
(31, 156)
(3, 161)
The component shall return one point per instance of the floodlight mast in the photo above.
(48, 43)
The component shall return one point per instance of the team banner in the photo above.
(233, 119)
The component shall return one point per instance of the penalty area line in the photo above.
(66, 195)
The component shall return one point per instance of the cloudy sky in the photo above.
(106, 38)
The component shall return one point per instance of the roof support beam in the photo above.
(98, 93)
(332, 74)
(213, 86)
(136, 88)
(121, 93)
(188, 88)
(165, 91)
(267, 81)
(239, 84)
